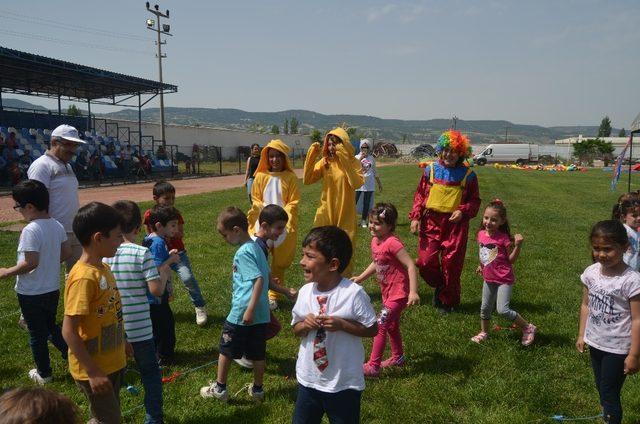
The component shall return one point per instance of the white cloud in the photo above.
(402, 12)
(376, 13)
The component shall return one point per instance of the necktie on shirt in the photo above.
(319, 347)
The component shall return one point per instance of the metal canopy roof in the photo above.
(34, 75)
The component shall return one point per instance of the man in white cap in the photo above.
(53, 169)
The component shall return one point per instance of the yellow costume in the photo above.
(282, 189)
(341, 176)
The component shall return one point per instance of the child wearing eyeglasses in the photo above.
(43, 245)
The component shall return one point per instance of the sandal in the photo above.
(480, 337)
(528, 334)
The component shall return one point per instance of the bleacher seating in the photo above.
(34, 142)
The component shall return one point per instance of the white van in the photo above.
(515, 153)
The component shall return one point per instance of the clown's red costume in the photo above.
(442, 243)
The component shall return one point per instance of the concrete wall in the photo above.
(186, 136)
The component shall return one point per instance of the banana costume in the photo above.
(282, 189)
(341, 175)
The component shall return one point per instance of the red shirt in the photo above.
(494, 257)
(173, 242)
(390, 273)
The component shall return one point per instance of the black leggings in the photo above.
(608, 369)
(366, 202)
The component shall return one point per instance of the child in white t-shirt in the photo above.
(330, 316)
(610, 316)
(43, 245)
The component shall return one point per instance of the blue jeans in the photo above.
(183, 269)
(39, 312)
(249, 185)
(608, 369)
(144, 353)
(342, 407)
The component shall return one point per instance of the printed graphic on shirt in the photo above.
(381, 271)
(366, 165)
(601, 307)
(488, 252)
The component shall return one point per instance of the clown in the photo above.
(446, 199)
(341, 174)
(276, 183)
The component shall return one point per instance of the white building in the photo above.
(565, 146)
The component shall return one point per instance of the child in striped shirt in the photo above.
(137, 277)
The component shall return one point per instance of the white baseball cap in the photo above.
(365, 142)
(67, 132)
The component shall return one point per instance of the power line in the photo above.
(75, 28)
(69, 42)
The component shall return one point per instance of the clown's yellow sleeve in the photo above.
(291, 198)
(257, 189)
(351, 167)
(312, 172)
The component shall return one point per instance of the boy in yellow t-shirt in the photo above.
(93, 326)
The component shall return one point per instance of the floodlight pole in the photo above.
(159, 42)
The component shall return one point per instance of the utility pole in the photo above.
(506, 133)
(159, 30)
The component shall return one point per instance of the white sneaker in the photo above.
(22, 323)
(244, 362)
(201, 315)
(35, 376)
(212, 391)
(363, 224)
(273, 304)
(256, 396)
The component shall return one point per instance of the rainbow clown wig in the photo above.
(455, 141)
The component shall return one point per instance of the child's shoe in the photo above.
(256, 394)
(364, 224)
(394, 361)
(22, 323)
(273, 304)
(480, 337)
(35, 376)
(244, 362)
(528, 334)
(213, 391)
(370, 370)
(201, 315)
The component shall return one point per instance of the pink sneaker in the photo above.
(480, 337)
(394, 361)
(528, 334)
(370, 370)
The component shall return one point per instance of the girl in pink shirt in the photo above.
(396, 273)
(496, 258)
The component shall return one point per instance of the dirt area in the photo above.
(138, 193)
(135, 192)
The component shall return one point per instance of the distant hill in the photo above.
(16, 103)
(397, 130)
(480, 131)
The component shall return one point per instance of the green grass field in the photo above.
(448, 379)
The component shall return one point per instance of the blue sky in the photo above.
(562, 62)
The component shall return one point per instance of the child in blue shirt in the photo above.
(164, 221)
(244, 331)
